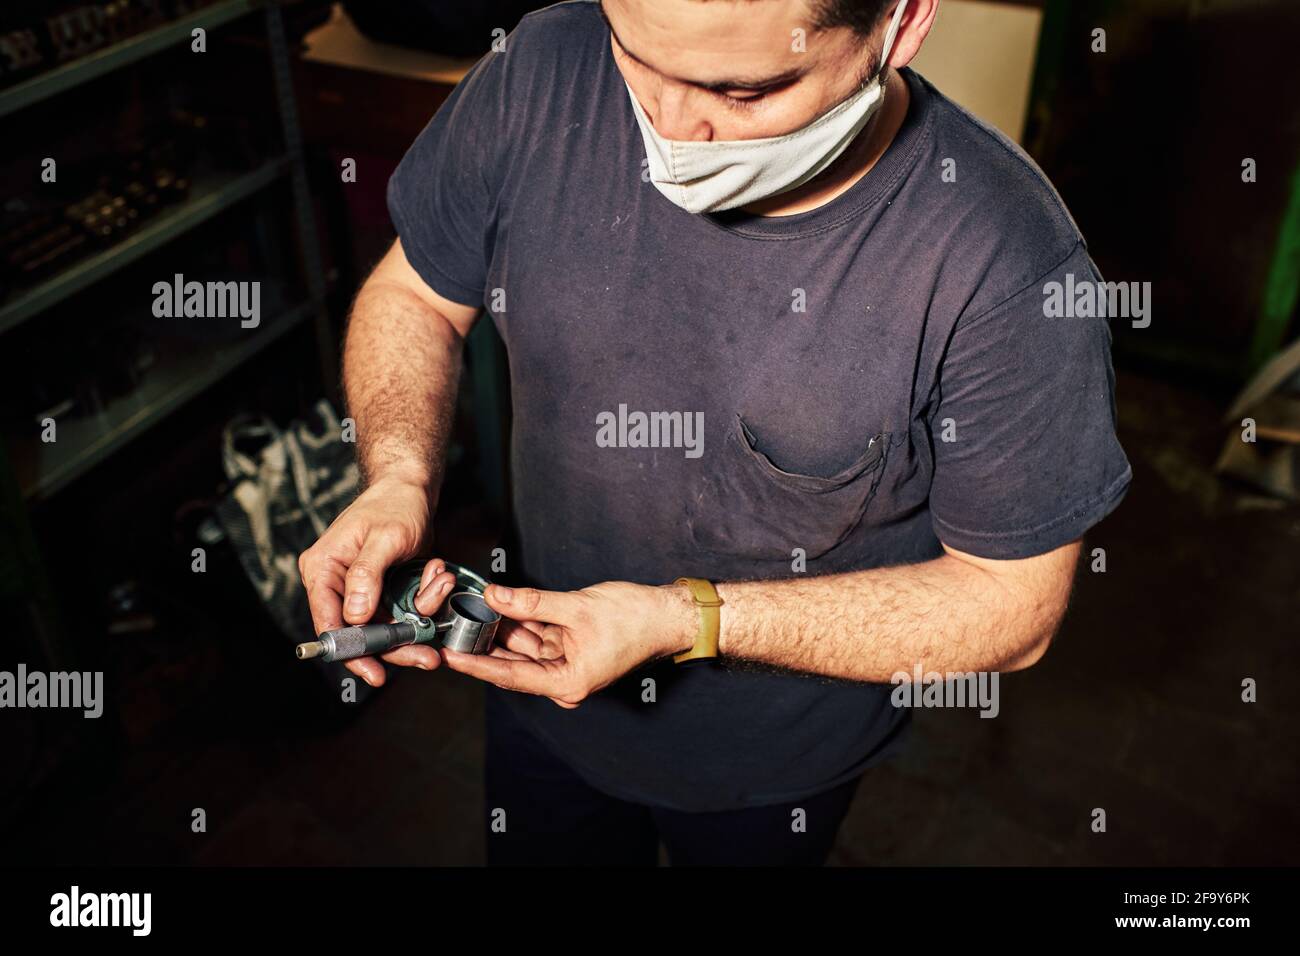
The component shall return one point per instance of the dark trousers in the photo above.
(552, 816)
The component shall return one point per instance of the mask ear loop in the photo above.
(891, 34)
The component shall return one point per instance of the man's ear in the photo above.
(912, 30)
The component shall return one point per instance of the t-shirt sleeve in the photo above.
(1026, 456)
(443, 195)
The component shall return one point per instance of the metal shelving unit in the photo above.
(86, 442)
(206, 200)
(33, 471)
(101, 62)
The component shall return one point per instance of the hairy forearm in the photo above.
(944, 615)
(401, 365)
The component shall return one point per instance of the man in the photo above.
(774, 311)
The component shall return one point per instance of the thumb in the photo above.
(364, 581)
(530, 604)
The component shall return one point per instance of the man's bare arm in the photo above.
(955, 613)
(401, 365)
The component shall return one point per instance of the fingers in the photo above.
(432, 567)
(324, 593)
(511, 655)
(410, 655)
(364, 581)
(423, 656)
(530, 604)
(519, 638)
(546, 679)
(552, 641)
(535, 626)
(322, 568)
(368, 669)
(434, 588)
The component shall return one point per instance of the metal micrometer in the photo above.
(464, 622)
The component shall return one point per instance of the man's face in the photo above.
(731, 69)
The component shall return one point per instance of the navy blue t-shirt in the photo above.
(874, 376)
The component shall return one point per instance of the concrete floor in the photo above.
(1136, 709)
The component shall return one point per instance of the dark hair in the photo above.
(859, 15)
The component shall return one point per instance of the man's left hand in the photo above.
(566, 645)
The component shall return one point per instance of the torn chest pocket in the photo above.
(749, 507)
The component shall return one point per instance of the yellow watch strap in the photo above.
(705, 597)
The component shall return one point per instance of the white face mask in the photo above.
(714, 175)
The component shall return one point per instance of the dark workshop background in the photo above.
(227, 164)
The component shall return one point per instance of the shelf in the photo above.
(110, 58)
(82, 443)
(207, 198)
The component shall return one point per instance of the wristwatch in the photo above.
(705, 597)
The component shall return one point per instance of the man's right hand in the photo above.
(343, 572)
